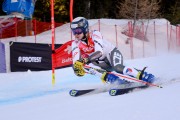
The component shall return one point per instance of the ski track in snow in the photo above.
(11, 99)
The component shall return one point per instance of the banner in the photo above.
(63, 55)
(30, 56)
(2, 58)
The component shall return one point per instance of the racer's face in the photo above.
(79, 36)
(78, 33)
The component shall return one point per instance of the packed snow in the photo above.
(31, 96)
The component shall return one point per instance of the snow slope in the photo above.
(31, 96)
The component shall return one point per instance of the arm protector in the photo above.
(94, 56)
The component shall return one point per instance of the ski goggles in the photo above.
(77, 31)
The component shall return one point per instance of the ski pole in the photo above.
(124, 76)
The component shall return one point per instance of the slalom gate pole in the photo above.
(53, 39)
(125, 76)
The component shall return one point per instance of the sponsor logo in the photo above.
(88, 49)
(68, 49)
(117, 58)
(30, 59)
(66, 60)
(129, 70)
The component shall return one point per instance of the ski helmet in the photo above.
(79, 25)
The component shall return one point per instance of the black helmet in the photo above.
(80, 22)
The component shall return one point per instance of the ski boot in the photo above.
(147, 77)
(139, 74)
(111, 78)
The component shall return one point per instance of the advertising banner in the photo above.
(30, 56)
(63, 56)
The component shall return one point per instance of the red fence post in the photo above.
(170, 40)
(131, 40)
(116, 35)
(1, 32)
(176, 35)
(143, 35)
(99, 25)
(167, 36)
(155, 37)
(179, 35)
(15, 29)
(34, 27)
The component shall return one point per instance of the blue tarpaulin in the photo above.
(25, 7)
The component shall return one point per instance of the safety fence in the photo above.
(142, 30)
(118, 33)
(14, 27)
(144, 39)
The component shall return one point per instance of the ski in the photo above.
(119, 91)
(112, 92)
(76, 93)
(113, 89)
(125, 87)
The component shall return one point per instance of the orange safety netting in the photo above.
(19, 27)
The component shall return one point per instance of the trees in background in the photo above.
(61, 10)
(146, 9)
(174, 14)
(93, 9)
(141, 9)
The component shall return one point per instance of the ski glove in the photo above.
(85, 60)
(78, 68)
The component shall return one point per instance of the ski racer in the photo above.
(89, 47)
